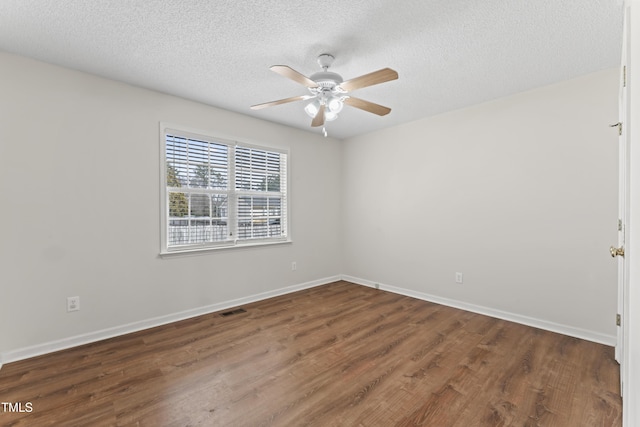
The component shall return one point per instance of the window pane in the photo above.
(178, 230)
(259, 217)
(176, 156)
(257, 170)
(196, 164)
(200, 205)
(219, 166)
(178, 204)
(206, 221)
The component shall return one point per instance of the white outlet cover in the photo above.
(73, 303)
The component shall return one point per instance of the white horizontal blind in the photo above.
(261, 192)
(218, 193)
(197, 174)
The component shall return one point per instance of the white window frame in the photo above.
(232, 193)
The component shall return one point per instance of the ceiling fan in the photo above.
(330, 92)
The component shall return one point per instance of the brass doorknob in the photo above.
(616, 251)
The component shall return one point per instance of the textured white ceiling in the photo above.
(449, 53)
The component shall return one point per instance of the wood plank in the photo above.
(339, 354)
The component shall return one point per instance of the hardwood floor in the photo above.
(335, 355)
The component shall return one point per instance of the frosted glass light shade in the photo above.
(312, 108)
(335, 105)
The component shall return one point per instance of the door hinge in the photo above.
(619, 126)
(619, 225)
(618, 320)
(624, 76)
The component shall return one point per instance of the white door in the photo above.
(623, 192)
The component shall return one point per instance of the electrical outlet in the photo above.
(294, 266)
(458, 277)
(73, 304)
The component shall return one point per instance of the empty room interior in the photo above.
(347, 213)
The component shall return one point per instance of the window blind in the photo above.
(222, 193)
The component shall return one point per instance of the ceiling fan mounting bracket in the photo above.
(325, 79)
(325, 60)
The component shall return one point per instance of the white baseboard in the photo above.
(50, 347)
(499, 314)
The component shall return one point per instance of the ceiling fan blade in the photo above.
(281, 101)
(318, 120)
(292, 74)
(367, 106)
(377, 77)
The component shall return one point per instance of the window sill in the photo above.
(204, 249)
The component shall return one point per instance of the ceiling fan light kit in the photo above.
(329, 91)
(332, 107)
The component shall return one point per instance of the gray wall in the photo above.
(518, 194)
